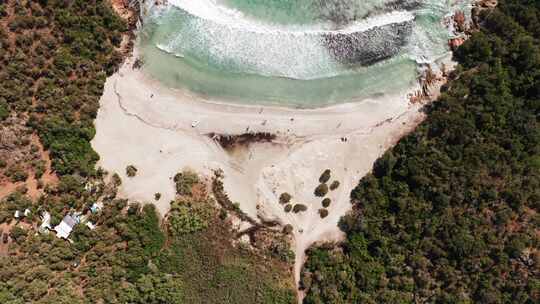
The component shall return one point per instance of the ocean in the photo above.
(295, 53)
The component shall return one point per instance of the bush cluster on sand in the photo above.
(284, 198)
(326, 202)
(334, 185)
(288, 208)
(131, 171)
(184, 182)
(299, 208)
(325, 176)
(287, 229)
(321, 190)
(323, 213)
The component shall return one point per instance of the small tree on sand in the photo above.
(321, 190)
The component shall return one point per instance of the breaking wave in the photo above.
(297, 39)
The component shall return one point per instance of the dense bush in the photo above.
(449, 214)
(284, 198)
(288, 208)
(131, 171)
(326, 202)
(4, 111)
(334, 185)
(325, 176)
(55, 69)
(184, 182)
(299, 208)
(189, 216)
(323, 213)
(321, 190)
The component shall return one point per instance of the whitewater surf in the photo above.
(299, 53)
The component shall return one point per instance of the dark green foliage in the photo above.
(4, 111)
(145, 239)
(326, 202)
(184, 182)
(299, 208)
(52, 71)
(284, 198)
(69, 146)
(321, 190)
(117, 181)
(325, 176)
(16, 174)
(189, 216)
(323, 213)
(55, 69)
(157, 196)
(449, 215)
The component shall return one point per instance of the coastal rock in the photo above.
(371, 46)
(455, 43)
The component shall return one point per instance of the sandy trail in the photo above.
(144, 124)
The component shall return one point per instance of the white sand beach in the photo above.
(163, 131)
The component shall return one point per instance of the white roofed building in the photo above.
(63, 230)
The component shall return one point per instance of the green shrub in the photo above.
(334, 185)
(287, 229)
(131, 171)
(188, 217)
(17, 174)
(157, 196)
(325, 177)
(299, 208)
(116, 180)
(288, 208)
(321, 190)
(184, 182)
(284, 198)
(326, 202)
(4, 111)
(323, 213)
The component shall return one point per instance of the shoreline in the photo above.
(143, 123)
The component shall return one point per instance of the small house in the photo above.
(63, 230)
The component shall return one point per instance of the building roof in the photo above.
(64, 228)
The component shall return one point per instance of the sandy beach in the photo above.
(163, 131)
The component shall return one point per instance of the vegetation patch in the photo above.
(284, 198)
(321, 190)
(131, 171)
(185, 181)
(325, 176)
(326, 202)
(450, 215)
(323, 213)
(299, 208)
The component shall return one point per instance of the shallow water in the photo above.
(298, 53)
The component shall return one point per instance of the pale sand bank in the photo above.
(144, 124)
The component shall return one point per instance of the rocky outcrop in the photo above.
(371, 46)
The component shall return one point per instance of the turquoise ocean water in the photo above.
(297, 53)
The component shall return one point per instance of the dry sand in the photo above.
(144, 124)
